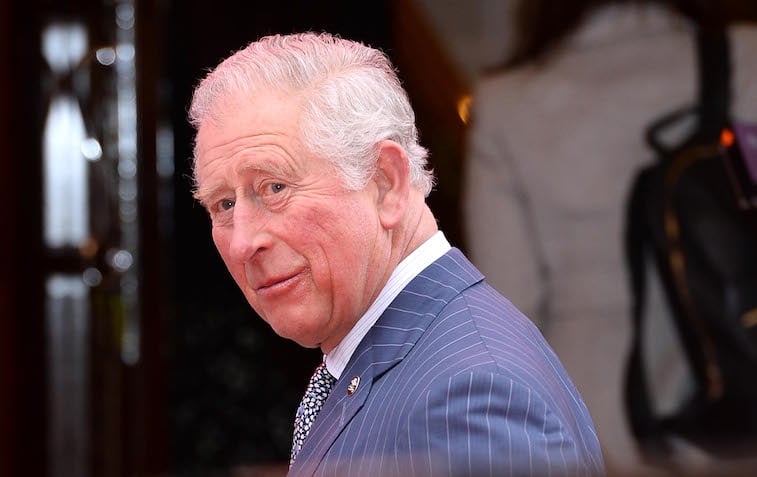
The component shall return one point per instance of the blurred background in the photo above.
(125, 347)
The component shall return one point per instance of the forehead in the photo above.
(263, 125)
(239, 116)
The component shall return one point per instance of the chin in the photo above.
(305, 343)
(298, 335)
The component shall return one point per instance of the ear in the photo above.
(392, 178)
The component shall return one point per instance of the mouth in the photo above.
(278, 284)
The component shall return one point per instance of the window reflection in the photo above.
(66, 208)
(91, 236)
(126, 107)
(68, 337)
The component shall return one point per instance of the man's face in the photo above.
(306, 252)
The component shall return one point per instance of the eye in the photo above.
(274, 195)
(225, 204)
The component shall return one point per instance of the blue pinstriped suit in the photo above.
(454, 380)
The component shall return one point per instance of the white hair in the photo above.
(352, 99)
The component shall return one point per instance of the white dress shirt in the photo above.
(406, 270)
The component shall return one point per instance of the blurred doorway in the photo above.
(81, 269)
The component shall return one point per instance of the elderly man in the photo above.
(308, 162)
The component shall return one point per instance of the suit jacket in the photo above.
(453, 380)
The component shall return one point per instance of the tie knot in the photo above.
(321, 380)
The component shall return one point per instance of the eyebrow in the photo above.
(264, 166)
(203, 194)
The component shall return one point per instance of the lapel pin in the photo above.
(354, 383)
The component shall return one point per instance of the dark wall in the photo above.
(22, 410)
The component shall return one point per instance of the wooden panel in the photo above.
(431, 77)
(22, 395)
(435, 85)
(8, 380)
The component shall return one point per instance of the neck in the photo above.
(419, 226)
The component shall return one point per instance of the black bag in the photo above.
(694, 211)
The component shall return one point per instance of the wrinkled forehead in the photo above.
(237, 113)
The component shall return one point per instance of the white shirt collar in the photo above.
(406, 270)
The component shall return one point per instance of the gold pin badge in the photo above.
(354, 383)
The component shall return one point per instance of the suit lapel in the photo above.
(386, 344)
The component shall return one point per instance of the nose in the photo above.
(249, 231)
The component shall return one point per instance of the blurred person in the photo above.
(308, 162)
(555, 142)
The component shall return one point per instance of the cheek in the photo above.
(222, 239)
(337, 239)
(343, 232)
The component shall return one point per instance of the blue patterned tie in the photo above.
(318, 390)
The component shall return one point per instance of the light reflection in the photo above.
(67, 328)
(66, 205)
(120, 260)
(463, 107)
(73, 156)
(65, 149)
(126, 112)
(164, 145)
(91, 149)
(127, 168)
(127, 212)
(68, 148)
(125, 51)
(106, 56)
(128, 191)
(125, 16)
(92, 277)
(63, 46)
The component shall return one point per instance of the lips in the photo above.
(269, 284)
